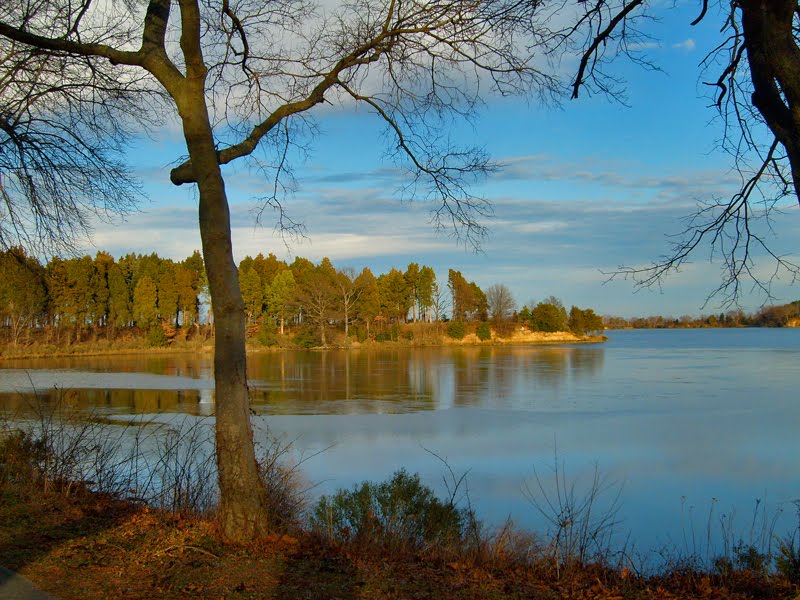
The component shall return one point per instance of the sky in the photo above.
(583, 188)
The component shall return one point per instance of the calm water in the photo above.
(682, 420)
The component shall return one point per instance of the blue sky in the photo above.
(584, 188)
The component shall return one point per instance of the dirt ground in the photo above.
(84, 545)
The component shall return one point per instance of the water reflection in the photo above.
(386, 380)
(192, 365)
(410, 380)
(108, 401)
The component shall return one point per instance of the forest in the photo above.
(778, 315)
(158, 301)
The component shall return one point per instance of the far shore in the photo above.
(103, 348)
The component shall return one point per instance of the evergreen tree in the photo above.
(78, 295)
(394, 295)
(546, 316)
(119, 298)
(186, 283)
(145, 303)
(411, 277)
(23, 295)
(267, 268)
(252, 292)
(425, 289)
(99, 307)
(167, 293)
(279, 296)
(368, 305)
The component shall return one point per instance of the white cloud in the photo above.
(342, 247)
(686, 45)
(539, 227)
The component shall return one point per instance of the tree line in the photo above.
(72, 299)
(781, 315)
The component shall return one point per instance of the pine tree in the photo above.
(145, 303)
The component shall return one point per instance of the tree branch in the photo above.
(600, 38)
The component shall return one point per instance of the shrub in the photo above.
(484, 332)
(21, 457)
(456, 330)
(307, 337)
(156, 337)
(283, 483)
(358, 332)
(398, 514)
(788, 561)
(266, 335)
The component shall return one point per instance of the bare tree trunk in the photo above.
(242, 509)
(774, 59)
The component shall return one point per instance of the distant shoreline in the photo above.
(518, 338)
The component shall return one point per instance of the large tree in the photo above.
(242, 78)
(753, 74)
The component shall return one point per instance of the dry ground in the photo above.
(86, 545)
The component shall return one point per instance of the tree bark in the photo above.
(774, 59)
(242, 510)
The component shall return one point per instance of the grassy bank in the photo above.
(111, 536)
(408, 334)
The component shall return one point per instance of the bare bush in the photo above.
(583, 523)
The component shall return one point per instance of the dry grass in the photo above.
(74, 541)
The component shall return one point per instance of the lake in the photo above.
(684, 422)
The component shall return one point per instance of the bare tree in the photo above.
(349, 295)
(501, 302)
(754, 75)
(440, 301)
(62, 125)
(242, 78)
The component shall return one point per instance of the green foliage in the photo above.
(390, 334)
(360, 333)
(156, 337)
(252, 292)
(400, 513)
(266, 335)
(469, 301)
(425, 288)
(546, 316)
(582, 321)
(484, 331)
(393, 291)
(456, 330)
(524, 315)
(22, 290)
(145, 298)
(307, 337)
(368, 304)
